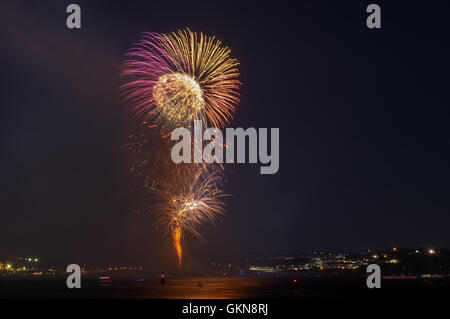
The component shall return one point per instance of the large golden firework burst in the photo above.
(179, 77)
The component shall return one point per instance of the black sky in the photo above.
(363, 117)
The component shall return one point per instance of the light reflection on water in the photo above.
(149, 287)
(211, 288)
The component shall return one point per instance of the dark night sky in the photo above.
(363, 117)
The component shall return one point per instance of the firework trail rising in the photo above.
(179, 77)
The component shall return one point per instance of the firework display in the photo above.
(179, 77)
(172, 80)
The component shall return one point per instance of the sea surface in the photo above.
(185, 287)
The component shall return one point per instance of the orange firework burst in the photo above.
(183, 212)
(179, 77)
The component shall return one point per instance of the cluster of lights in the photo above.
(12, 267)
(385, 256)
(125, 268)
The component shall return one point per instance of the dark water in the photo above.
(218, 288)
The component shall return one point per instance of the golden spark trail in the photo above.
(177, 242)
